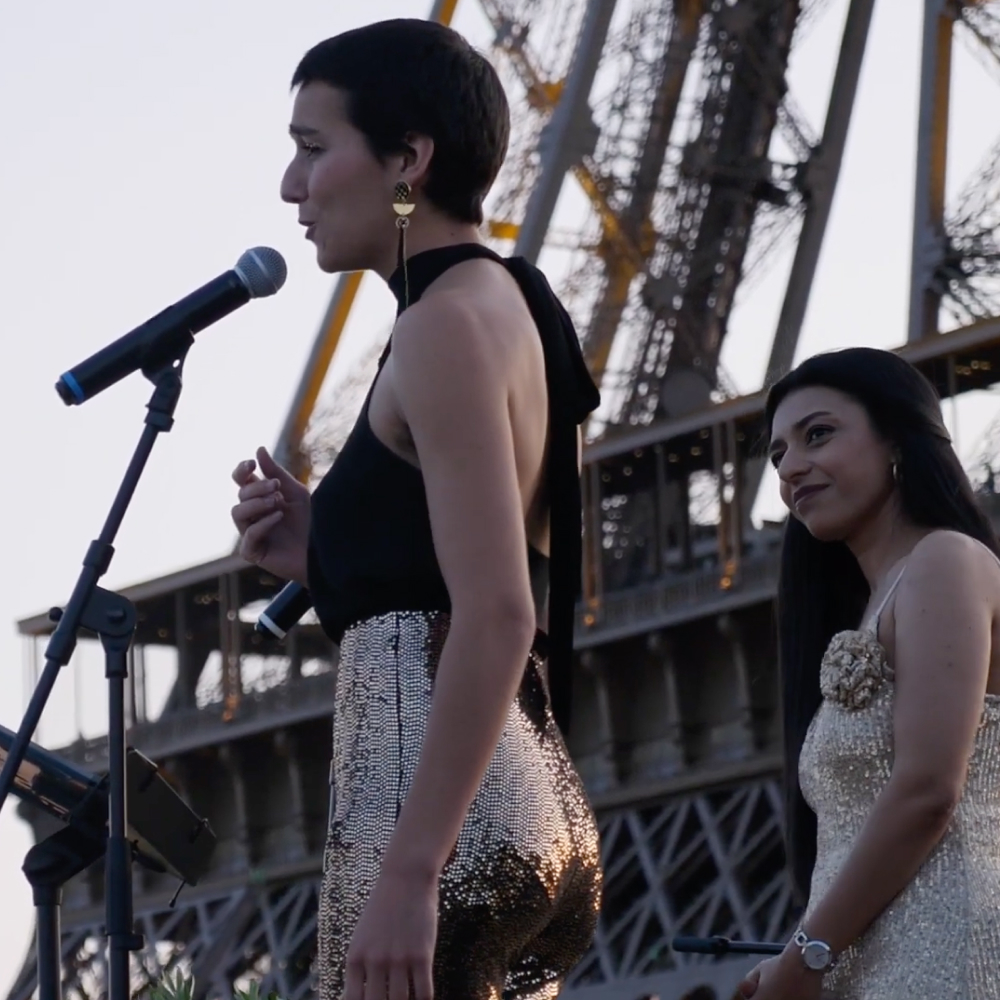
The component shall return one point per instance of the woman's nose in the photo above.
(293, 184)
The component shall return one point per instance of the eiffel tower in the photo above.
(658, 159)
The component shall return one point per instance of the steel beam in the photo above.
(725, 178)
(981, 336)
(821, 174)
(621, 269)
(443, 11)
(288, 451)
(564, 138)
(929, 239)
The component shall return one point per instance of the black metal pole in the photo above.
(118, 868)
(48, 956)
(720, 945)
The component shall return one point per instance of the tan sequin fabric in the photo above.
(520, 894)
(940, 938)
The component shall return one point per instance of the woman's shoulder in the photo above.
(945, 547)
(442, 332)
(944, 559)
(462, 328)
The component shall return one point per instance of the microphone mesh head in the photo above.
(262, 270)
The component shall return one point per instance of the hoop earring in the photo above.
(897, 476)
(403, 207)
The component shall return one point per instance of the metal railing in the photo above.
(694, 594)
(177, 732)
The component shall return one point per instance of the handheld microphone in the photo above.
(284, 611)
(160, 340)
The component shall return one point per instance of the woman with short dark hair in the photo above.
(442, 550)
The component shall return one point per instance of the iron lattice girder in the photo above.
(725, 176)
(702, 863)
(266, 933)
(955, 262)
(966, 276)
(705, 863)
(982, 19)
(966, 273)
(621, 268)
(637, 195)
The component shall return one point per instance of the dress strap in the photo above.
(873, 622)
(573, 395)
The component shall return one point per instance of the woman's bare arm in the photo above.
(449, 380)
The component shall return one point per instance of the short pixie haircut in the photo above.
(408, 76)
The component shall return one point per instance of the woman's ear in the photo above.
(419, 151)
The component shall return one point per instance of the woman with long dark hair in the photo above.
(889, 622)
(442, 549)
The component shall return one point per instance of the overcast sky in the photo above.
(144, 147)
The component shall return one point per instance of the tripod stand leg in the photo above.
(48, 866)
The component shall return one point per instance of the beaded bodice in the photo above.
(941, 936)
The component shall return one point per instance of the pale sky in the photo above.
(144, 148)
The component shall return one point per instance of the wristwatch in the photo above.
(817, 955)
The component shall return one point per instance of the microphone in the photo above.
(284, 611)
(161, 340)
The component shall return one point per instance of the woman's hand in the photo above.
(392, 949)
(783, 978)
(272, 517)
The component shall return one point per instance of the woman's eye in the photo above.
(310, 149)
(776, 457)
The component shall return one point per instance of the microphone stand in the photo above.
(112, 618)
(720, 946)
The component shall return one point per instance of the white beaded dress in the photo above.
(940, 938)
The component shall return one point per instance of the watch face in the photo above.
(816, 955)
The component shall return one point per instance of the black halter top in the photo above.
(370, 546)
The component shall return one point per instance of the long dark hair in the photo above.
(822, 590)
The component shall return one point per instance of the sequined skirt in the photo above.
(520, 893)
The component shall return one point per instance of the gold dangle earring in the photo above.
(403, 207)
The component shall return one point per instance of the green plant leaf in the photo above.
(173, 987)
(177, 986)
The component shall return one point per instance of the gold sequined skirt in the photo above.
(520, 893)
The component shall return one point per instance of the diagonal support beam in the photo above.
(209, 964)
(822, 173)
(443, 11)
(621, 269)
(288, 451)
(564, 138)
(929, 239)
